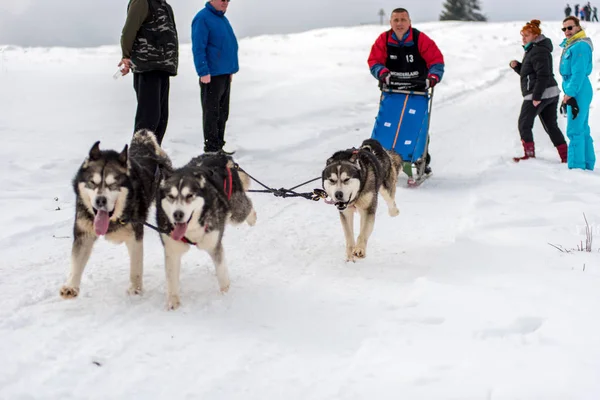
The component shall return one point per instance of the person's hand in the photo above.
(574, 106)
(536, 103)
(566, 99)
(125, 66)
(431, 81)
(513, 64)
(205, 79)
(385, 77)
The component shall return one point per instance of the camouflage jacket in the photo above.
(149, 37)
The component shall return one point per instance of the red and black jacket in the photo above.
(414, 56)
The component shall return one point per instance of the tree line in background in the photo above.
(454, 10)
(462, 10)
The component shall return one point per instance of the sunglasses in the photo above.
(570, 28)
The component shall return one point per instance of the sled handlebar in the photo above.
(413, 81)
(399, 85)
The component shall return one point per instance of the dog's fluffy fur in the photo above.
(352, 178)
(114, 192)
(194, 205)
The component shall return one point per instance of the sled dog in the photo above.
(193, 205)
(352, 178)
(114, 192)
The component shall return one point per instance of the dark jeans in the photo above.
(215, 110)
(546, 110)
(152, 90)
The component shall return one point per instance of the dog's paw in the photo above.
(225, 288)
(394, 212)
(350, 255)
(135, 290)
(174, 302)
(251, 220)
(359, 252)
(67, 292)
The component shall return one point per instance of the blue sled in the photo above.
(402, 123)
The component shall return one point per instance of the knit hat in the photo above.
(533, 26)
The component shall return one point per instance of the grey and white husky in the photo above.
(114, 192)
(352, 179)
(194, 203)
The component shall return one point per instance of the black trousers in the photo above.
(546, 110)
(152, 90)
(215, 110)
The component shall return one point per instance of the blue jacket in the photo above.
(576, 65)
(214, 45)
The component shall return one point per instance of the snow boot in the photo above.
(529, 148)
(562, 152)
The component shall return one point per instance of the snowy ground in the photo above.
(460, 297)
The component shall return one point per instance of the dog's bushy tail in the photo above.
(146, 138)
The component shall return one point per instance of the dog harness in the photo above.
(228, 180)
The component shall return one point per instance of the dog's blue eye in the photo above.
(346, 180)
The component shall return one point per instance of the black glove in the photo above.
(574, 106)
(384, 78)
(431, 81)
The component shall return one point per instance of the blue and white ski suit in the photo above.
(575, 67)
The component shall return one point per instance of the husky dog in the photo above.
(352, 178)
(194, 203)
(114, 192)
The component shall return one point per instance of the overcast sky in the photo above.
(82, 23)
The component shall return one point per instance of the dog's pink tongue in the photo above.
(179, 231)
(101, 223)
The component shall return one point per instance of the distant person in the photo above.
(576, 64)
(150, 49)
(588, 12)
(568, 11)
(576, 13)
(540, 91)
(595, 14)
(215, 50)
(407, 51)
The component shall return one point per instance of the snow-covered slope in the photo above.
(460, 297)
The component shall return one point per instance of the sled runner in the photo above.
(402, 124)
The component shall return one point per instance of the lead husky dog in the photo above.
(193, 205)
(113, 195)
(352, 178)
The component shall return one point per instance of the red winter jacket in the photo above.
(427, 48)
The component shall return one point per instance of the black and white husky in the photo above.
(194, 203)
(352, 179)
(114, 192)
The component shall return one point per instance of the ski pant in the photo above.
(215, 110)
(581, 145)
(152, 91)
(547, 111)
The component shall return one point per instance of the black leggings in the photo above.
(546, 110)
